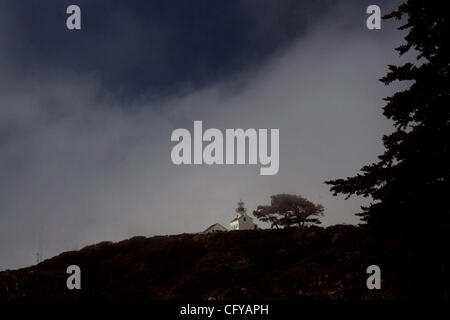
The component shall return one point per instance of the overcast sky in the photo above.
(86, 116)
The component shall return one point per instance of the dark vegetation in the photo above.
(409, 184)
(311, 263)
(288, 210)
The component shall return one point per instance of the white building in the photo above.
(242, 220)
(216, 227)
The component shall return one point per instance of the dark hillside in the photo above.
(315, 263)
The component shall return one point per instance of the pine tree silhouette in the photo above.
(409, 184)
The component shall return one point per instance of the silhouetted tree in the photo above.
(409, 184)
(287, 210)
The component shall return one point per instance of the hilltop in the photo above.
(315, 263)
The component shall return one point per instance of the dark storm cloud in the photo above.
(85, 147)
(154, 47)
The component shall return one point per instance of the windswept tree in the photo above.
(287, 210)
(409, 185)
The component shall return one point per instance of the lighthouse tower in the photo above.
(242, 220)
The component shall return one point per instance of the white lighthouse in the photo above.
(242, 220)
